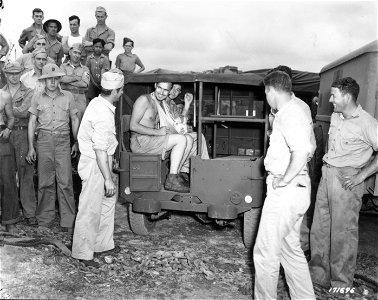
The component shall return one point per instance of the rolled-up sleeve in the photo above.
(111, 37)
(297, 134)
(23, 37)
(34, 104)
(22, 110)
(103, 136)
(72, 107)
(371, 133)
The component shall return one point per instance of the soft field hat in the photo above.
(100, 9)
(77, 46)
(51, 70)
(12, 67)
(39, 37)
(46, 24)
(113, 79)
(39, 51)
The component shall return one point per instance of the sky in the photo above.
(203, 35)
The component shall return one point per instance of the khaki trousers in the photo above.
(278, 243)
(55, 178)
(334, 232)
(94, 226)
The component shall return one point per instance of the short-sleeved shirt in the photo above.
(27, 62)
(127, 62)
(107, 34)
(53, 114)
(28, 34)
(97, 130)
(4, 45)
(54, 50)
(307, 111)
(291, 132)
(30, 80)
(96, 65)
(21, 101)
(79, 70)
(351, 141)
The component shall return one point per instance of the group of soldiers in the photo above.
(41, 107)
(41, 94)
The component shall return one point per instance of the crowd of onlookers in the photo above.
(59, 99)
(34, 124)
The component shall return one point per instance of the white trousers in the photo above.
(278, 242)
(193, 152)
(94, 225)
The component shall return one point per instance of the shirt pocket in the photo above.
(93, 35)
(44, 113)
(353, 142)
(62, 112)
(352, 139)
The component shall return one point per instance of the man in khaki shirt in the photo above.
(21, 99)
(353, 137)
(54, 47)
(53, 109)
(76, 78)
(102, 31)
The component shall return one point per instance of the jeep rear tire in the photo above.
(140, 223)
(250, 226)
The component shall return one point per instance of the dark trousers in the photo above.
(8, 188)
(54, 178)
(19, 141)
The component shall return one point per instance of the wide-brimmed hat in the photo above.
(13, 67)
(46, 24)
(51, 70)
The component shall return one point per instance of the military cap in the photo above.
(100, 9)
(77, 46)
(39, 51)
(12, 67)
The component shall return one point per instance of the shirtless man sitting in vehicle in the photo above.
(148, 137)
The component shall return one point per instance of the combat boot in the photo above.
(175, 183)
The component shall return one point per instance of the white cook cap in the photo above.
(113, 79)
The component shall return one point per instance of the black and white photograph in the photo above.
(176, 149)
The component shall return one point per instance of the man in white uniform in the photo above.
(288, 196)
(94, 224)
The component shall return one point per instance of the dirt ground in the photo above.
(181, 259)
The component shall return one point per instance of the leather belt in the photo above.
(20, 127)
(76, 91)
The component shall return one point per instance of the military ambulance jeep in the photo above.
(229, 109)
